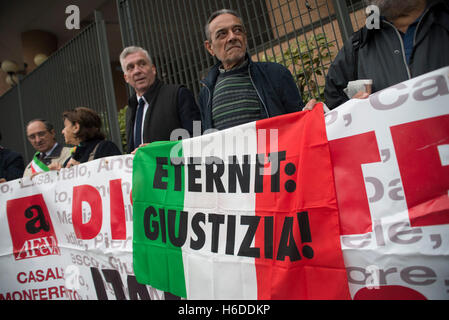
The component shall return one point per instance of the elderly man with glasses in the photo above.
(238, 90)
(41, 135)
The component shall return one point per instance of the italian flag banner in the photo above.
(244, 213)
(38, 166)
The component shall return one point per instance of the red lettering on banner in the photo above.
(90, 229)
(424, 177)
(54, 292)
(90, 195)
(40, 275)
(389, 293)
(348, 154)
(31, 229)
(118, 219)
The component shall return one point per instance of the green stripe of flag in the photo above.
(148, 198)
(39, 163)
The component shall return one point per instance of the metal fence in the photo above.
(303, 35)
(11, 121)
(78, 74)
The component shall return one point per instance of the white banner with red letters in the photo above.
(68, 234)
(42, 254)
(390, 155)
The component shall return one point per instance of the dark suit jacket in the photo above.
(11, 164)
(170, 107)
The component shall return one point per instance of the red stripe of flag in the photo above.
(304, 210)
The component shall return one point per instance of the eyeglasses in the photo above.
(39, 134)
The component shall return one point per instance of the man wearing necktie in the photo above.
(157, 108)
(42, 136)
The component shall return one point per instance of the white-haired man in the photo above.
(157, 108)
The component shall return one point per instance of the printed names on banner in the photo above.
(79, 220)
(39, 277)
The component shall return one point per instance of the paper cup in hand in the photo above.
(362, 85)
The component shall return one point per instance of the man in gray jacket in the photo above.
(412, 39)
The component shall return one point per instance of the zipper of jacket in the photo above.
(209, 96)
(254, 86)
(402, 47)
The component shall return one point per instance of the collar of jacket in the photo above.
(212, 76)
(55, 153)
(148, 94)
(440, 8)
(85, 148)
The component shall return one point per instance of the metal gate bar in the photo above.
(78, 74)
(172, 31)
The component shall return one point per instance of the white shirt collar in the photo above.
(51, 150)
(138, 98)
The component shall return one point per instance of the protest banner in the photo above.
(265, 210)
(68, 235)
(391, 165)
(244, 213)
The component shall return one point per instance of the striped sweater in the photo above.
(235, 100)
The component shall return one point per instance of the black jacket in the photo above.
(170, 107)
(11, 164)
(381, 55)
(94, 149)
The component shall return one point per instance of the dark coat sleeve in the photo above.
(288, 91)
(129, 118)
(187, 109)
(12, 165)
(339, 74)
(106, 149)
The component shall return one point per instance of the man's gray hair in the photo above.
(216, 14)
(130, 50)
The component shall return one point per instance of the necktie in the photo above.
(42, 157)
(139, 120)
